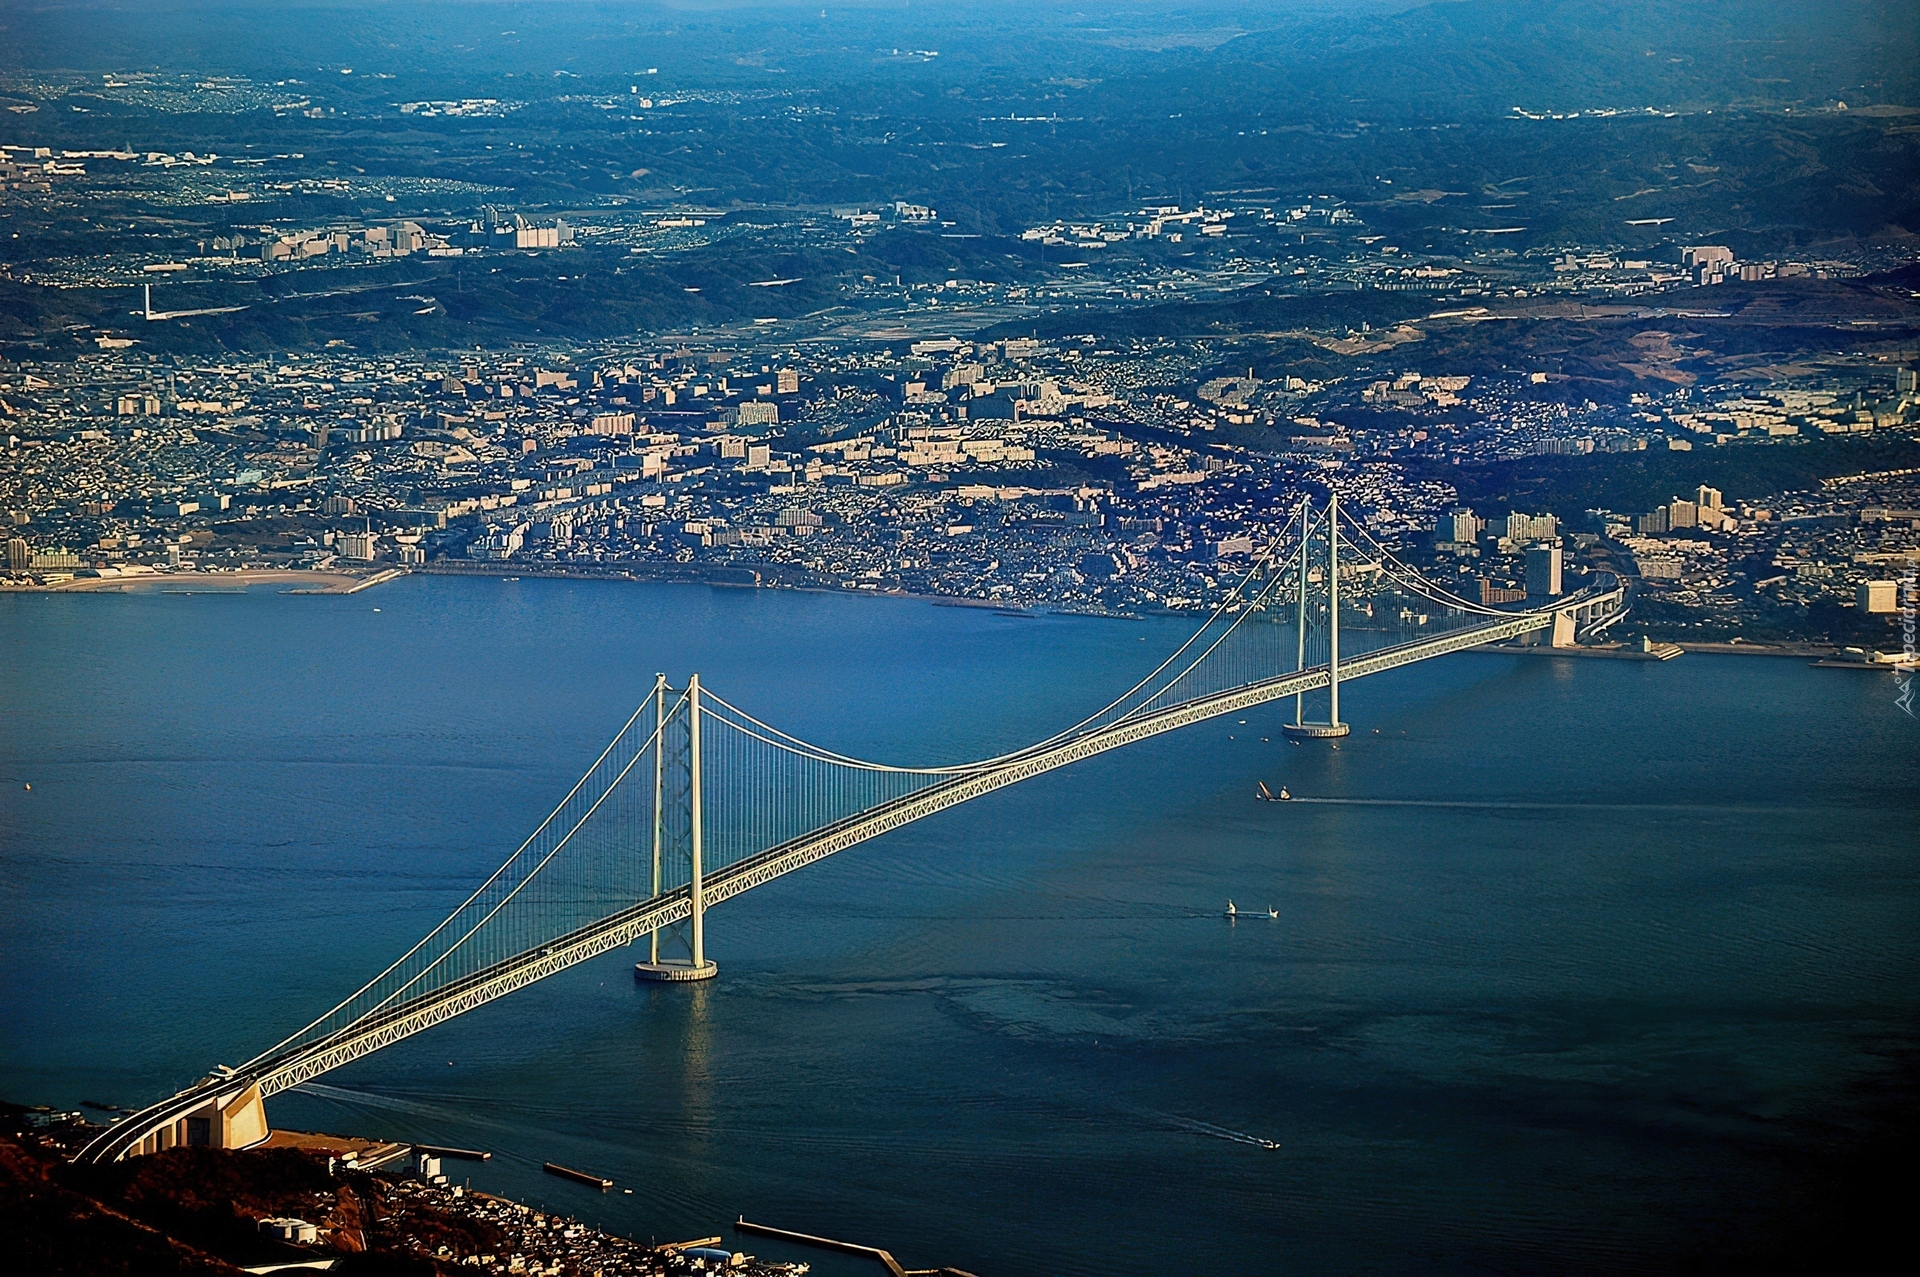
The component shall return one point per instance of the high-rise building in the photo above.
(1543, 571)
(1708, 256)
(1682, 514)
(1493, 595)
(355, 545)
(786, 382)
(1906, 381)
(1459, 527)
(1710, 263)
(19, 555)
(1521, 528)
(1707, 498)
(530, 234)
(611, 423)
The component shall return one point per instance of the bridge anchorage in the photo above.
(695, 801)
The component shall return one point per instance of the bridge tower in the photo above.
(1333, 727)
(678, 739)
(579, 887)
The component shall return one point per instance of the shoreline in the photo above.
(333, 582)
(323, 581)
(331, 1196)
(1802, 650)
(730, 578)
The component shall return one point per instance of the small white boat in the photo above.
(1272, 912)
(1231, 911)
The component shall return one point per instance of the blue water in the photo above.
(1580, 965)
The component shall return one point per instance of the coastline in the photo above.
(761, 577)
(322, 581)
(303, 1199)
(1804, 651)
(333, 582)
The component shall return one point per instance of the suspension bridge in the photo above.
(695, 801)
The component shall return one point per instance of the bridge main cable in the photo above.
(460, 974)
(628, 925)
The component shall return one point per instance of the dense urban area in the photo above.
(1078, 472)
(351, 323)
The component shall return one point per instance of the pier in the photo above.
(467, 1154)
(885, 1258)
(580, 1177)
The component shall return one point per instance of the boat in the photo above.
(1272, 912)
(1231, 911)
(1268, 796)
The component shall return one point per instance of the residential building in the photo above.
(1543, 571)
(1460, 527)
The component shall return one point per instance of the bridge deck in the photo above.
(309, 1060)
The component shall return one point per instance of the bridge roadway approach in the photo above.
(229, 1102)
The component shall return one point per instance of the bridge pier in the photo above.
(1315, 731)
(668, 971)
(226, 1110)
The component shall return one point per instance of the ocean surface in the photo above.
(1580, 965)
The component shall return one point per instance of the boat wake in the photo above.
(1211, 1131)
(369, 1099)
(1510, 806)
